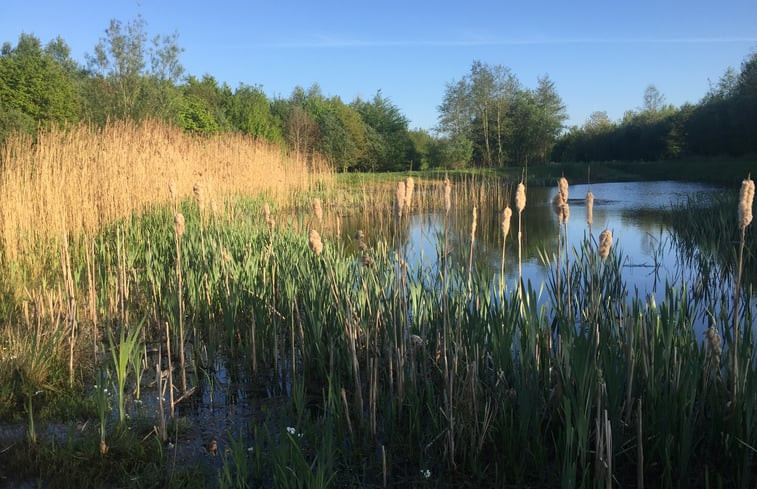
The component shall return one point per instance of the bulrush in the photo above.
(447, 194)
(507, 215)
(399, 201)
(564, 213)
(178, 224)
(199, 195)
(317, 209)
(409, 188)
(520, 197)
(562, 186)
(314, 240)
(473, 224)
(605, 242)
(714, 348)
(589, 207)
(360, 238)
(172, 190)
(746, 199)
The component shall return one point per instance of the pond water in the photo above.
(633, 211)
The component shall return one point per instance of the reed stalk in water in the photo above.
(746, 200)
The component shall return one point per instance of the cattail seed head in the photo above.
(520, 197)
(199, 194)
(564, 213)
(605, 242)
(562, 186)
(317, 209)
(473, 224)
(409, 188)
(746, 199)
(713, 342)
(399, 201)
(447, 194)
(557, 203)
(507, 215)
(172, 190)
(178, 224)
(314, 240)
(589, 207)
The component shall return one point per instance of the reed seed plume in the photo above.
(314, 240)
(447, 194)
(409, 188)
(520, 197)
(564, 213)
(178, 224)
(746, 200)
(317, 209)
(507, 215)
(589, 208)
(605, 242)
(399, 200)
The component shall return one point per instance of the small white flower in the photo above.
(170, 445)
(299, 435)
(251, 449)
(426, 473)
(291, 430)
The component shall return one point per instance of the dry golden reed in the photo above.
(81, 178)
(409, 188)
(199, 194)
(589, 207)
(746, 199)
(314, 241)
(605, 242)
(473, 224)
(172, 190)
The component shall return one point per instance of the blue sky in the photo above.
(600, 54)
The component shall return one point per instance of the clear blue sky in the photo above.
(600, 54)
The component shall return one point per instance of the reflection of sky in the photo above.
(629, 210)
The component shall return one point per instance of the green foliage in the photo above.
(250, 113)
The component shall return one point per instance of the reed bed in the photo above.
(379, 374)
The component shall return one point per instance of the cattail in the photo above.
(473, 224)
(506, 217)
(520, 197)
(746, 198)
(409, 187)
(172, 190)
(589, 207)
(367, 261)
(199, 195)
(562, 186)
(359, 235)
(267, 215)
(447, 194)
(317, 210)
(399, 201)
(605, 242)
(564, 213)
(225, 254)
(714, 347)
(178, 224)
(314, 240)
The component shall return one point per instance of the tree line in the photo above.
(722, 123)
(487, 118)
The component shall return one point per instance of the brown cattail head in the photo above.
(199, 193)
(367, 261)
(557, 202)
(359, 235)
(447, 194)
(473, 224)
(564, 213)
(562, 186)
(605, 242)
(178, 224)
(409, 187)
(520, 197)
(589, 207)
(315, 243)
(172, 190)
(317, 209)
(399, 201)
(746, 199)
(714, 347)
(507, 214)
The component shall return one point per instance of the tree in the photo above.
(654, 101)
(250, 112)
(35, 85)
